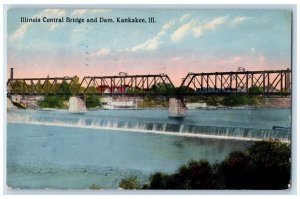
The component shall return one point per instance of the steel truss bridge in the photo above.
(268, 83)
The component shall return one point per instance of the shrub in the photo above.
(94, 186)
(130, 183)
(52, 102)
(255, 90)
(92, 102)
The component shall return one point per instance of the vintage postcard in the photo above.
(149, 99)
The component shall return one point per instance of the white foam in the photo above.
(113, 127)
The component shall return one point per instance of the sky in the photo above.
(181, 41)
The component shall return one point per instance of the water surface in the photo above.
(57, 149)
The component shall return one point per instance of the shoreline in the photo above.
(153, 108)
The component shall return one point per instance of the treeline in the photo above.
(62, 102)
(264, 166)
(230, 100)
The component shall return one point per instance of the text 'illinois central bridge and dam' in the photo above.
(267, 82)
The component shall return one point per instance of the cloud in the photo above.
(150, 44)
(52, 13)
(184, 17)
(99, 11)
(182, 31)
(102, 52)
(79, 12)
(20, 32)
(168, 25)
(211, 25)
(153, 43)
(238, 20)
(195, 29)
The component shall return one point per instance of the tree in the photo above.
(195, 175)
(265, 165)
(130, 183)
(162, 88)
(234, 100)
(270, 165)
(184, 89)
(159, 181)
(255, 90)
(51, 102)
(75, 86)
(234, 171)
(92, 102)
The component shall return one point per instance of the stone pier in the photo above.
(77, 105)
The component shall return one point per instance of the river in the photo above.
(58, 149)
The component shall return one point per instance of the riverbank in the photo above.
(206, 102)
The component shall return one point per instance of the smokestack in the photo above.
(11, 73)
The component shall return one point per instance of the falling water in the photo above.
(179, 129)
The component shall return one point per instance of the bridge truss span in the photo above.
(272, 82)
(41, 86)
(126, 84)
(269, 83)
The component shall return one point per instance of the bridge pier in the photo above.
(177, 108)
(77, 105)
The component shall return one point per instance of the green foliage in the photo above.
(92, 102)
(95, 187)
(162, 88)
(234, 171)
(92, 89)
(134, 90)
(159, 181)
(130, 183)
(234, 100)
(270, 165)
(195, 175)
(241, 100)
(255, 90)
(152, 102)
(65, 89)
(265, 165)
(184, 89)
(52, 102)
